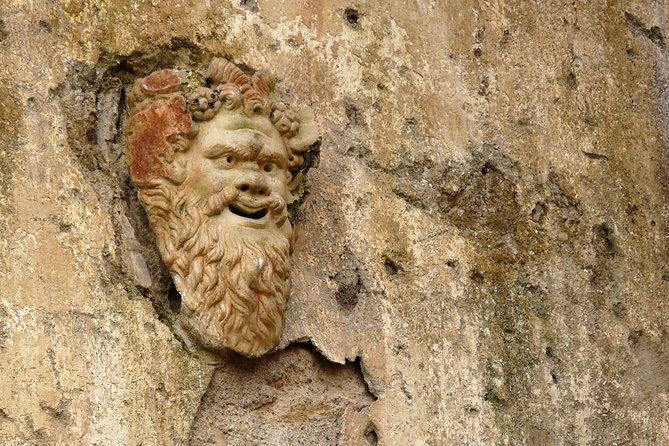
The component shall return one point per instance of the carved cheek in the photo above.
(198, 175)
(196, 170)
(206, 179)
(278, 184)
(220, 179)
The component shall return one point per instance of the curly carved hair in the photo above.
(165, 111)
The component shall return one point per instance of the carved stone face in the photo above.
(248, 154)
(236, 287)
(214, 169)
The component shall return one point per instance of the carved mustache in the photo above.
(218, 202)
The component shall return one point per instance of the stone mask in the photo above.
(215, 167)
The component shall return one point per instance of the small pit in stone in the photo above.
(391, 266)
(251, 5)
(352, 17)
(472, 411)
(603, 241)
(350, 287)
(488, 167)
(257, 215)
(3, 31)
(371, 437)
(476, 277)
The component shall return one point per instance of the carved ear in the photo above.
(307, 134)
(150, 137)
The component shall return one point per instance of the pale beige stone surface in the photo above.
(487, 229)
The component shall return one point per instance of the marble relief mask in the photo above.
(215, 166)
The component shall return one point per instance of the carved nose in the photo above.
(254, 184)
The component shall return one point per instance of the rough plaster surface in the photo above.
(291, 397)
(486, 231)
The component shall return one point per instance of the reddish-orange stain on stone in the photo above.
(161, 82)
(148, 150)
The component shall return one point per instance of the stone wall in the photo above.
(482, 258)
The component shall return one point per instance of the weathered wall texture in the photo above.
(482, 259)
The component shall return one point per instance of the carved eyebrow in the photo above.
(246, 153)
(266, 156)
(219, 150)
(270, 156)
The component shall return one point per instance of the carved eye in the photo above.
(269, 167)
(227, 161)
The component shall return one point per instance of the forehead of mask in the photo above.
(235, 128)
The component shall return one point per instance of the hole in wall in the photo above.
(45, 27)
(350, 286)
(488, 167)
(355, 116)
(352, 17)
(539, 212)
(4, 33)
(571, 80)
(634, 336)
(251, 5)
(652, 33)
(476, 277)
(391, 266)
(603, 240)
(619, 309)
(371, 437)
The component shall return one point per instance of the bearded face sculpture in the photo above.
(215, 166)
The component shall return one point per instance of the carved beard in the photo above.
(234, 284)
